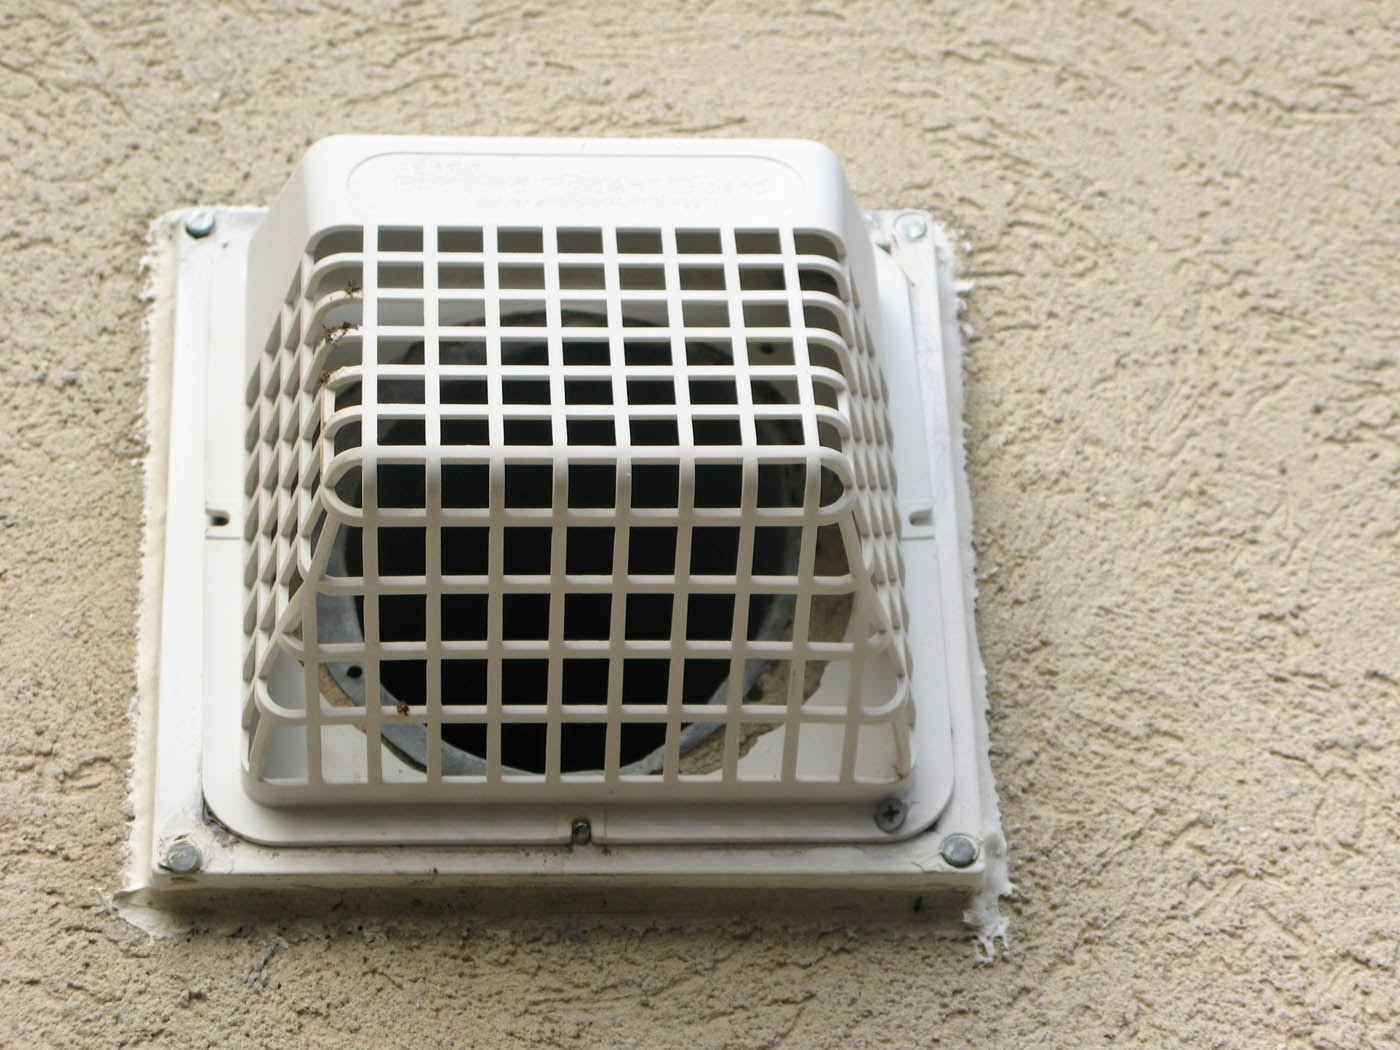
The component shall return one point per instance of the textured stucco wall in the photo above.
(1184, 435)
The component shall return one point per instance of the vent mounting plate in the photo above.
(632, 493)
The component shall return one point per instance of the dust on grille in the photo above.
(572, 507)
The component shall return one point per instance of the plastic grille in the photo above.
(572, 507)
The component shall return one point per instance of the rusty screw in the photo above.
(182, 857)
(959, 851)
(912, 226)
(890, 814)
(581, 834)
(200, 224)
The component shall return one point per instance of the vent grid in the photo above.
(578, 506)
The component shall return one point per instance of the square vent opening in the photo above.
(600, 500)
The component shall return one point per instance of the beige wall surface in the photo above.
(1184, 449)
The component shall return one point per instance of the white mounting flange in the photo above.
(196, 828)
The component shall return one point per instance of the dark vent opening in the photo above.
(651, 550)
(645, 681)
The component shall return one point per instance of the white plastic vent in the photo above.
(576, 505)
(600, 500)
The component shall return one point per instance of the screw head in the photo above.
(183, 857)
(200, 223)
(959, 850)
(890, 814)
(912, 227)
(581, 834)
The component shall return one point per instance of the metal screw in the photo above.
(183, 857)
(959, 850)
(200, 224)
(582, 832)
(890, 814)
(912, 226)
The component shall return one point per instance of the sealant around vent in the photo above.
(570, 503)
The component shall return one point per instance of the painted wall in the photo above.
(1184, 434)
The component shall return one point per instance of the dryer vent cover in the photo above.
(548, 482)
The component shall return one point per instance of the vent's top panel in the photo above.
(353, 180)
